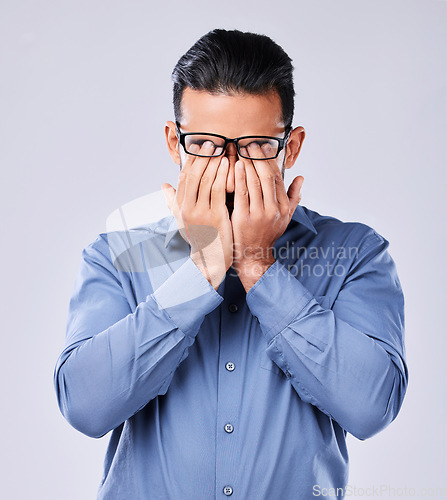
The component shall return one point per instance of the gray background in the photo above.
(85, 92)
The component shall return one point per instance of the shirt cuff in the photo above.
(187, 297)
(276, 299)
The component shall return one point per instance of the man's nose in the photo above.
(231, 154)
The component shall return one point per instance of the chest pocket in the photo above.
(266, 362)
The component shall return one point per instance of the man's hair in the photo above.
(229, 62)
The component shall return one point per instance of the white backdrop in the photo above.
(85, 91)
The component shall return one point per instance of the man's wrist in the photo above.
(250, 272)
(214, 274)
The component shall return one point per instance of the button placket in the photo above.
(231, 344)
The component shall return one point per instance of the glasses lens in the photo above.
(259, 148)
(208, 144)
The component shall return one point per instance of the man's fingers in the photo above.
(218, 192)
(169, 194)
(294, 193)
(194, 175)
(207, 180)
(281, 194)
(190, 158)
(241, 201)
(253, 185)
(172, 202)
(186, 167)
(192, 164)
(266, 172)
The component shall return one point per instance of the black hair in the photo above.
(233, 62)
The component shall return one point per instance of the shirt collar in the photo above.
(299, 216)
(172, 231)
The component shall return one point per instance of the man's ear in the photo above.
(172, 141)
(294, 144)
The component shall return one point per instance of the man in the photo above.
(233, 345)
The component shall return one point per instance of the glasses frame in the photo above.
(281, 142)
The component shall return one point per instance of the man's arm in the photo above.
(115, 361)
(349, 361)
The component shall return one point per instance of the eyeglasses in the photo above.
(220, 142)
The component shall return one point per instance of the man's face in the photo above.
(232, 116)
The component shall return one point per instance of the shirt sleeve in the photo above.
(348, 360)
(114, 360)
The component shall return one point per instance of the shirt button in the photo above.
(230, 366)
(232, 308)
(228, 490)
(229, 428)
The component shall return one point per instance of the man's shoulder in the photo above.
(115, 242)
(331, 228)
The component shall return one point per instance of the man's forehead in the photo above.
(231, 111)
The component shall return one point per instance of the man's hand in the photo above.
(262, 212)
(202, 217)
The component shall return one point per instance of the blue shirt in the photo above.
(210, 394)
